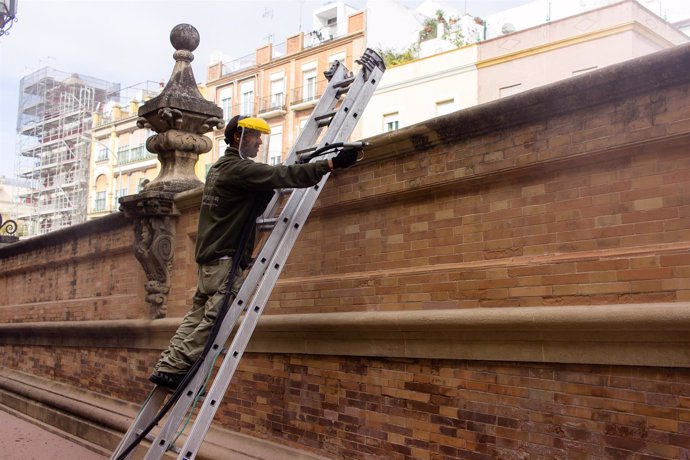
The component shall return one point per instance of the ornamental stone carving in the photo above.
(179, 116)
(154, 217)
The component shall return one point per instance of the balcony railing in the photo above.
(272, 103)
(238, 64)
(132, 155)
(305, 94)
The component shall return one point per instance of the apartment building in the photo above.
(120, 164)
(282, 83)
(515, 60)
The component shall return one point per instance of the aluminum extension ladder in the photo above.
(339, 117)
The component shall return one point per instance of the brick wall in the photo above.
(82, 273)
(565, 210)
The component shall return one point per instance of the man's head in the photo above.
(247, 134)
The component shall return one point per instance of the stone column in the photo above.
(180, 116)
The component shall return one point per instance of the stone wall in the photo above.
(508, 281)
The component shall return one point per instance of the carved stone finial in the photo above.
(182, 115)
(184, 37)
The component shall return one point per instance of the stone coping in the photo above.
(103, 224)
(646, 74)
(654, 334)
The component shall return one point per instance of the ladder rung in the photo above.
(344, 83)
(267, 224)
(303, 151)
(151, 438)
(325, 119)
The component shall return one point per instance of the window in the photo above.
(123, 154)
(247, 103)
(509, 90)
(102, 154)
(119, 194)
(220, 148)
(100, 195)
(275, 145)
(99, 202)
(336, 57)
(142, 182)
(225, 97)
(390, 122)
(445, 107)
(277, 94)
(309, 80)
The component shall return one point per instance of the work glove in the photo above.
(345, 158)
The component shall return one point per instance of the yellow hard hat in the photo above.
(257, 124)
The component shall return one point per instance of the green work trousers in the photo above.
(192, 334)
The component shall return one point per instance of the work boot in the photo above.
(167, 380)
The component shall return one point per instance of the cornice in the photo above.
(655, 334)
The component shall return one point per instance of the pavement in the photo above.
(20, 439)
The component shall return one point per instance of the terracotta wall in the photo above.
(509, 281)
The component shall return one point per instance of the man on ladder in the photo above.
(237, 191)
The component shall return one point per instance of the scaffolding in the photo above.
(54, 124)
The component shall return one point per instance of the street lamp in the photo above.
(8, 15)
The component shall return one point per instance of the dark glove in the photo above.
(345, 158)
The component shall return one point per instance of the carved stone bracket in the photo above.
(155, 221)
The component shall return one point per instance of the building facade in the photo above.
(120, 163)
(283, 83)
(514, 62)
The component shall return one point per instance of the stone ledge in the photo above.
(655, 334)
(101, 421)
(103, 224)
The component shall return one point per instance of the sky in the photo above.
(127, 42)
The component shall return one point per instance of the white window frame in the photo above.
(277, 93)
(337, 57)
(225, 96)
(247, 98)
(391, 122)
(275, 152)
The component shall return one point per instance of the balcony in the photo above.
(127, 156)
(236, 65)
(305, 97)
(272, 106)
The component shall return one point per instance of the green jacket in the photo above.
(237, 190)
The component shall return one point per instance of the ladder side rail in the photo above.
(147, 413)
(174, 419)
(253, 278)
(310, 133)
(247, 326)
(327, 103)
(294, 221)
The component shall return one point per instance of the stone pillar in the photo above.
(180, 116)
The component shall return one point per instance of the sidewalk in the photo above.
(23, 440)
